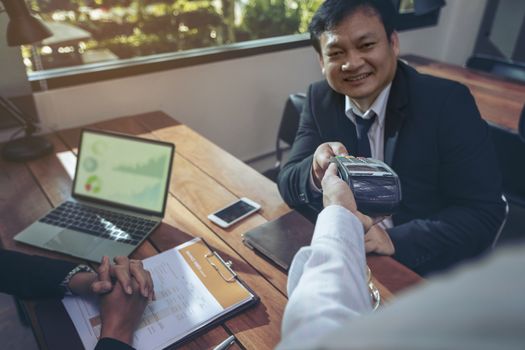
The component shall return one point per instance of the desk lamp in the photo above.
(23, 29)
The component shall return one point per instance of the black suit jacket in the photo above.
(31, 277)
(441, 149)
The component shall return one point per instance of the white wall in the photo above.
(235, 103)
(453, 39)
(238, 103)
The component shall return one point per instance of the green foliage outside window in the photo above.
(264, 18)
(120, 29)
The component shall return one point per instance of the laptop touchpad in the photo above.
(73, 243)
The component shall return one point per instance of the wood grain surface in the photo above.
(204, 179)
(499, 100)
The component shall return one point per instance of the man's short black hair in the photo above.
(333, 12)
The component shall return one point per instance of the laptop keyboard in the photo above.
(99, 222)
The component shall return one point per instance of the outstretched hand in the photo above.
(322, 157)
(378, 241)
(337, 192)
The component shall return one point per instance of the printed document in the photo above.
(192, 289)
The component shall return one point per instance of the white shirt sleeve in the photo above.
(327, 280)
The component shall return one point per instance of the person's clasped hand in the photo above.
(121, 312)
(121, 308)
(123, 272)
(322, 156)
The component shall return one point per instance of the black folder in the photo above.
(280, 239)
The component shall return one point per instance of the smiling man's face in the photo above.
(357, 57)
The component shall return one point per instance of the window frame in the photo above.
(409, 21)
(413, 20)
(95, 72)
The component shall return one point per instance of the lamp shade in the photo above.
(22, 27)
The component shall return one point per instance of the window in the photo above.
(499, 35)
(104, 39)
(89, 32)
(418, 13)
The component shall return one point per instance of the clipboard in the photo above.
(225, 269)
(196, 290)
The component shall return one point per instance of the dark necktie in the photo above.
(362, 127)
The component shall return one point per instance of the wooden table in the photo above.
(500, 100)
(204, 178)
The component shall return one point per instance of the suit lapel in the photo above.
(395, 112)
(337, 125)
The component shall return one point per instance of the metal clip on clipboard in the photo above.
(227, 264)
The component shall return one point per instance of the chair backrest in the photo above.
(498, 66)
(289, 121)
(510, 150)
(503, 223)
(521, 126)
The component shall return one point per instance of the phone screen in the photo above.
(234, 211)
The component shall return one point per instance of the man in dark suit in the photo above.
(121, 304)
(427, 129)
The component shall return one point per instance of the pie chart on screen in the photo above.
(93, 184)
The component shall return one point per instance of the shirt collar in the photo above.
(378, 107)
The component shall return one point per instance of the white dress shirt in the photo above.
(376, 134)
(478, 307)
(319, 280)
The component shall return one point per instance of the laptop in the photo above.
(119, 197)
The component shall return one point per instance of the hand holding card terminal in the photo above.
(376, 187)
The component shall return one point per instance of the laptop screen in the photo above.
(124, 170)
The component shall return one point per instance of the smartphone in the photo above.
(234, 212)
